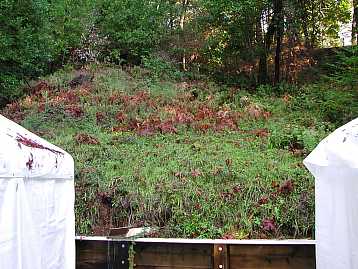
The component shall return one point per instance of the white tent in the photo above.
(334, 163)
(36, 202)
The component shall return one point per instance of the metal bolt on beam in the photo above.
(220, 257)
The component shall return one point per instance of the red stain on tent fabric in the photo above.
(30, 162)
(33, 144)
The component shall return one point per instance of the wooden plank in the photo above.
(172, 256)
(101, 254)
(91, 254)
(272, 257)
(107, 253)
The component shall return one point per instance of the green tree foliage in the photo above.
(134, 27)
(34, 36)
(24, 43)
(346, 69)
(69, 21)
(229, 38)
(244, 30)
(355, 23)
(321, 19)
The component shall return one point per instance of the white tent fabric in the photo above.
(36, 202)
(334, 164)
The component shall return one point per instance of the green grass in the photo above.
(195, 182)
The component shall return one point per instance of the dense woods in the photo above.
(255, 42)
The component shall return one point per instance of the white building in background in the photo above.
(345, 34)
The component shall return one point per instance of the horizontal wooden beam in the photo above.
(150, 253)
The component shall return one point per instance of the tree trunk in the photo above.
(292, 40)
(258, 30)
(316, 31)
(304, 18)
(275, 26)
(355, 23)
(182, 21)
(263, 73)
(279, 35)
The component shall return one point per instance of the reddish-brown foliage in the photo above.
(147, 127)
(119, 129)
(225, 123)
(96, 99)
(106, 198)
(227, 196)
(197, 206)
(146, 130)
(100, 117)
(121, 117)
(199, 116)
(86, 139)
(256, 112)
(228, 162)
(228, 236)
(181, 115)
(260, 132)
(269, 225)
(203, 127)
(151, 126)
(204, 112)
(263, 200)
(66, 97)
(286, 187)
(133, 124)
(236, 189)
(84, 91)
(132, 100)
(266, 115)
(14, 112)
(274, 184)
(195, 173)
(167, 127)
(41, 87)
(113, 99)
(287, 98)
(41, 107)
(13, 107)
(75, 111)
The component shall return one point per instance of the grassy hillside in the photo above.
(192, 158)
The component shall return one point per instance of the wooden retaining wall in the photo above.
(100, 252)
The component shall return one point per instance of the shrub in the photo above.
(160, 68)
(24, 44)
(34, 36)
(296, 138)
(337, 106)
(346, 69)
(133, 27)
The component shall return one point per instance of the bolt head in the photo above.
(220, 249)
